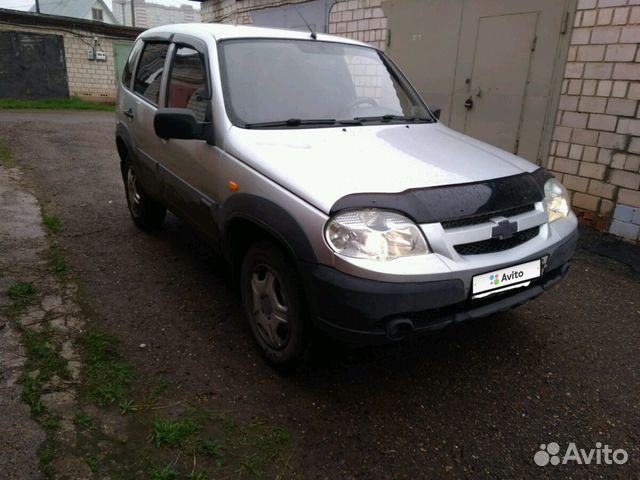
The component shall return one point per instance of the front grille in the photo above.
(495, 244)
(477, 219)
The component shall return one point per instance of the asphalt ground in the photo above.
(475, 401)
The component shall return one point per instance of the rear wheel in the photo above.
(146, 213)
(273, 304)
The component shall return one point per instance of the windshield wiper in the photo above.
(292, 122)
(390, 118)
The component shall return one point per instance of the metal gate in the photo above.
(32, 66)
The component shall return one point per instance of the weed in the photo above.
(212, 448)
(85, 421)
(57, 261)
(31, 393)
(52, 222)
(173, 433)
(6, 156)
(21, 293)
(126, 407)
(107, 377)
(251, 464)
(164, 473)
(51, 424)
(43, 357)
(92, 463)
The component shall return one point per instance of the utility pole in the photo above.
(133, 15)
(37, 6)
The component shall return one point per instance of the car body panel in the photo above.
(321, 165)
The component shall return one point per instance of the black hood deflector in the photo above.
(449, 202)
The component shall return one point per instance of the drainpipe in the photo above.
(133, 15)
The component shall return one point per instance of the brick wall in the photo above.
(595, 150)
(361, 20)
(93, 81)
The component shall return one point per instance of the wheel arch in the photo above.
(246, 219)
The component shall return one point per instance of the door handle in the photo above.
(128, 112)
(468, 104)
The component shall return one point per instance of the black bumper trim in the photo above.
(360, 310)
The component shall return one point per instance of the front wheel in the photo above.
(273, 304)
(146, 213)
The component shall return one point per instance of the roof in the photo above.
(20, 18)
(73, 8)
(221, 31)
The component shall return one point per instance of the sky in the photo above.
(27, 4)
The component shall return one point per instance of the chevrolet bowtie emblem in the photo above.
(504, 229)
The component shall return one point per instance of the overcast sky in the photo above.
(27, 4)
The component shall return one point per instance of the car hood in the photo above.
(321, 165)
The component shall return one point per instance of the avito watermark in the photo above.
(549, 454)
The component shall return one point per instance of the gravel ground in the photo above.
(475, 401)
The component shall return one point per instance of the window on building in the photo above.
(188, 82)
(150, 70)
(96, 14)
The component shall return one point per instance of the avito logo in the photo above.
(496, 279)
(601, 455)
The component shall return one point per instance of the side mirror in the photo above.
(436, 111)
(177, 123)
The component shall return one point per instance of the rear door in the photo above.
(188, 167)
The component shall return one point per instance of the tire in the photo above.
(147, 214)
(273, 304)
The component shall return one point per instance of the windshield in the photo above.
(291, 83)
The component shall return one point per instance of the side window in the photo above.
(188, 82)
(150, 70)
(131, 63)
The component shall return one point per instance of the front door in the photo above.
(189, 167)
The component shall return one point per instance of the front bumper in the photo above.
(371, 311)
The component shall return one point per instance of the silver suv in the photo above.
(338, 198)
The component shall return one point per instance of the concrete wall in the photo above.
(596, 142)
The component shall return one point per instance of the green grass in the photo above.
(55, 104)
(92, 463)
(6, 156)
(57, 261)
(212, 449)
(44, 362)
(85, 422)
(52, 222)
(173, 432)
(107, 379)
(164, 473)
(21, 293)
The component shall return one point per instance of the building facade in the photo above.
(149, 14)
(572, 70)
(73, 57)
(95, 10)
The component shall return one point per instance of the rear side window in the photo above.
(150, 71)
(188, 82)
(131, 62)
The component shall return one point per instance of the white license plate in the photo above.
(505, 279)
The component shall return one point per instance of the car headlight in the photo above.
(556, 199)
(375, 235)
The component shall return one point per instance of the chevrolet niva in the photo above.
(338, 198)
